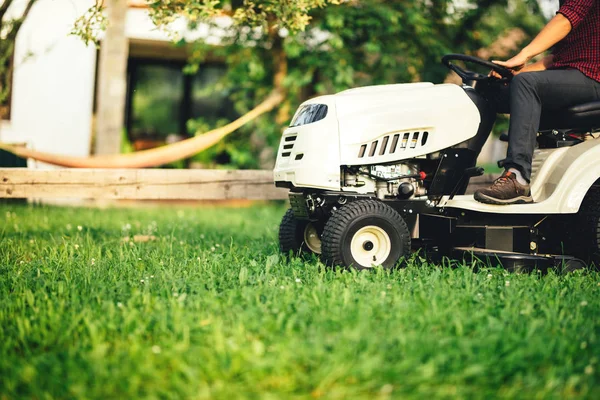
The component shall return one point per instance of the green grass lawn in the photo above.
(202, 306)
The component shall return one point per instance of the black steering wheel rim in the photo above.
(468, 76)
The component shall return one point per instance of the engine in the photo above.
(398, 181)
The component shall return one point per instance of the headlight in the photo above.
(308, 114)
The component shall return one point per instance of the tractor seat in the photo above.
(580, 117)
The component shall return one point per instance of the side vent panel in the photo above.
(288, 145)
(399, 142)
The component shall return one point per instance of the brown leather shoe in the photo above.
(505, 190)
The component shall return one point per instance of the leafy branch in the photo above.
(89, 26)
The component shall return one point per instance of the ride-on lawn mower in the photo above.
(378, 170)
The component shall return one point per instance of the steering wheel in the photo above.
(468, 76)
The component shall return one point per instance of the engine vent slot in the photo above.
(394, 143)
(405, 138)
(286, 154)
(373, 148)
(362, 151)
(384, 145)
(290, 138)
(415, 140)
(288, 146)
(299, 156)
(424, 138)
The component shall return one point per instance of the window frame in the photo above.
(185, 113)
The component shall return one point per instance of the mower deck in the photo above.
(516, 262)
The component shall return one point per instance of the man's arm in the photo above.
(540, 65)
(569, 16)
(556, 30)
(576, 10)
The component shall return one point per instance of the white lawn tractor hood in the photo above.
(372, 125)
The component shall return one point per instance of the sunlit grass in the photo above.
(197, 303)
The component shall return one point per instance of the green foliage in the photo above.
(347, 45)
(201, 305)
(224, 153)
(313, 47)
(91, 24)
(126, 145)
(292, 15)
(156, 101)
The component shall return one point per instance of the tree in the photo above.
(11, 20)
(353, 44)
(287, 51)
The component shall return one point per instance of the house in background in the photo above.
(72, 99)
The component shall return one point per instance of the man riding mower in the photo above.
(376, 171)
(567, 77)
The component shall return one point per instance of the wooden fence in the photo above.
(149, 184)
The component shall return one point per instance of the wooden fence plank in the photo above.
(150, 184)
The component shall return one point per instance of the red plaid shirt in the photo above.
(581, 48)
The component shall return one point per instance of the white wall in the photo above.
(53, 84)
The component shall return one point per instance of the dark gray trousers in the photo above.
(530, 93)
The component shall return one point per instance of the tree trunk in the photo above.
(112, 81)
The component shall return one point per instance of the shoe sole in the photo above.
(482, 198)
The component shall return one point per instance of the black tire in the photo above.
(585, 229)
(292, 234)
(571, 265)
(358, 217)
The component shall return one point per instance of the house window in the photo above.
(162, 99)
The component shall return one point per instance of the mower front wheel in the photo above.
(363, 234)
(298, 236)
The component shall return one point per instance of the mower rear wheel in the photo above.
(363, 234)
(585, 236)
(298, 236)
